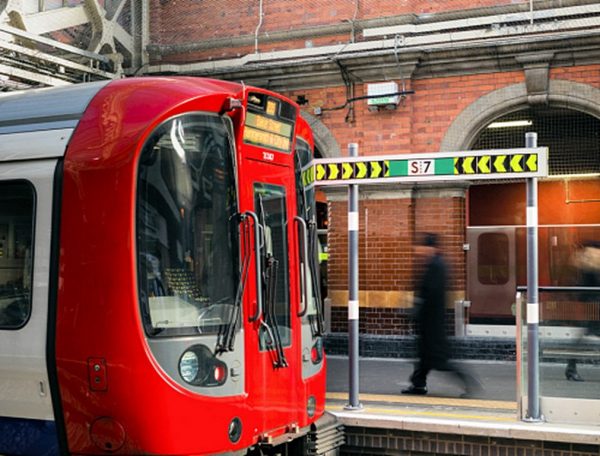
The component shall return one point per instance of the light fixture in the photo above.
(510, 124)
(188, 366)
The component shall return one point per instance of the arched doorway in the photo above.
(326, 146)
(569, 200)
(569, 210)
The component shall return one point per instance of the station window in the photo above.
(17, 202)
(492, 259)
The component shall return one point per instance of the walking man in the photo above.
(430, 309)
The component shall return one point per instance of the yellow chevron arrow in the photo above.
(375, 169)
(532, 162)
(333, 171)
(309, 175)
(499, 164)
(362, 170)
(320, 172)
(386, 166)
(483, 164)
(347, 170)
(514, 163)
(456, 171)
(468, 165)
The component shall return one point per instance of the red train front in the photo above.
(184, 313)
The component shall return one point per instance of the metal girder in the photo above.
(31, 38)
(31, 76)
(59, 61)
(53, 43)
(50, 21)
(107, 30)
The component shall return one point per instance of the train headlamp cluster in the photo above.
(199, 367)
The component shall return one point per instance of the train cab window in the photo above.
(187, 229)
(493, 259)
(17, 203)
(270, 204)
(307, 209)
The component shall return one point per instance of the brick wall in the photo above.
(387, 266)
(385, 245)
(420, 121)
(181, 22)
(370, 441)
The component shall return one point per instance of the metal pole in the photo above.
(353, 403)
(533, 307)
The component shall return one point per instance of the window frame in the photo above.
(481, 241)
(31, 186)
(144, 304)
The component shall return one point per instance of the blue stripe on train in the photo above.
(27, 437)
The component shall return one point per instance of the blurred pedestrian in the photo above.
(587, 261)
(429, 312)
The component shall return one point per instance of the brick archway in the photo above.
(324, 140)
(561, 93)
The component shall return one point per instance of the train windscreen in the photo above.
(187, 232)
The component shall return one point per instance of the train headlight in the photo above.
(198, 366)
(189, 366)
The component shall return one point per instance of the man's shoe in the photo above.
(574, 377)
(417, 390)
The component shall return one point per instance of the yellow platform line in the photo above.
(429, 400)
(432, 414)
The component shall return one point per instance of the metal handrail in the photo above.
(258, 266)
(559, 289)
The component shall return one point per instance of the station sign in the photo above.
(432, 167)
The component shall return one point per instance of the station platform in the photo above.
(441, 422)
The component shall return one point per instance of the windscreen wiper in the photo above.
(271, 320)
(226, 337)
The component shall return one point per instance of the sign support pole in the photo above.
(353, 355)
(533, 307)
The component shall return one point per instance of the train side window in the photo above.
(17, 203)
(493, 259)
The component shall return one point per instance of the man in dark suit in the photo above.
(430, 310)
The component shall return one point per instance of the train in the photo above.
(159, 282)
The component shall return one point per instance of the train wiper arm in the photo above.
(226, 340)
(271, 320)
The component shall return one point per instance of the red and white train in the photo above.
(158, 274)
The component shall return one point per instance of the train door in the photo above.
(25, 232)
(491, 275)
(273, 384)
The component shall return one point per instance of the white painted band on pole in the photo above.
(533, 313)
(532, 216)
(352, 310)
(352, 221)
